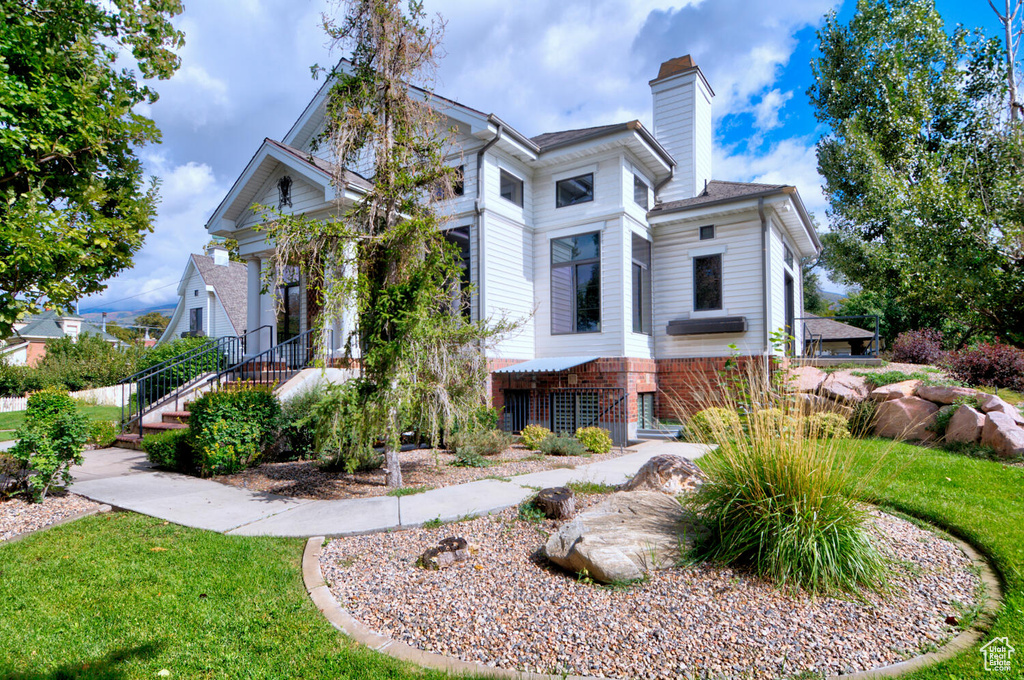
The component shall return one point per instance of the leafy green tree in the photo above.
(924, 169)
(121, 333)
(153, 320)
(74, 205)
(385, 256)
(814, 299)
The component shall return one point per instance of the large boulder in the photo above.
(626, 536)
(965, 426)
(667, 473)
(944, 394)
(809, 404)
(991, 403)
(908, 418)
(805, 379)
(844, 387)
(1004, 435)
(895, 390)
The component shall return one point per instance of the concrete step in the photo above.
(129, 441)
(155, 428)
(666, 433)
(180, 417)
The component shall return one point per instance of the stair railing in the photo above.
(273, 366)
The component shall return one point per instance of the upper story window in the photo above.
(641, 284)
(787, 255)
(640, 191)
(576, 284)
(459, 238)
(459, 183)
(707, 282)
(511, 188)
(707, 232)
(574, 190)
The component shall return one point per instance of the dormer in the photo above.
(682, 124)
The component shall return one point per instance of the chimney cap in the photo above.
(678, 66)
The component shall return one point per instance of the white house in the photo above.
(211, 298)
(632, 268)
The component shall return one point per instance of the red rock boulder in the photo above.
(965, 426)
(1004, 435)
(909, 418)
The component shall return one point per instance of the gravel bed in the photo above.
(421, 469)
(508, 607)
(19, 517)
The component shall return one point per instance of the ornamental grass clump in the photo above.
(778, 500)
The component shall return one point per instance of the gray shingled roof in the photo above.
(830, 330)
(718, 191)
(353, 178)
(553, 139)
(44, 325)
(230, 282)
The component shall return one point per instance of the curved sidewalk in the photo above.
(124, 479)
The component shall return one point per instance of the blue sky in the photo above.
(539, 65)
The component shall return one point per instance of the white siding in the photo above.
(305, 198)
(682, 124)
(494, 163)
(672, 276)
(215, 320)
(509, 270)
(640, 345)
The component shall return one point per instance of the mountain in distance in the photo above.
(126, 316)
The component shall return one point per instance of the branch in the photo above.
(45, 159)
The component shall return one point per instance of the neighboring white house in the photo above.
(629, 265)
(211, 298)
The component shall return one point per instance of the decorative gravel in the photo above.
(19, 517)
(421, 469)
(508, 607)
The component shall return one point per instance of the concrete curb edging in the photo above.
(66, 520)
(341, 619)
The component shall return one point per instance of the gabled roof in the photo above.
(830, 330)
(45, 326)
(351, 178)
(719, 191)
(549, 141)
(229, 283)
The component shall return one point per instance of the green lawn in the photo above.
(13, 420)
(93, 600)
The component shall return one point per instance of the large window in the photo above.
(707, 283)
(459, 238)
(511, 188)
(576, 284)
(640, 192)
(641, 276)
(574, 190)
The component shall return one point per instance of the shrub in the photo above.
(828, 426)
(13, 474)
(782, 503)
(84, 363)
(883, 378)
(468, 457)
(862, 420)
(297, 424)
(340, 422)
(483, 443)
(917, 347)
(15, 381)
(594, 439)
(153, 388)
(562, 445)
(102, 433)
(704, 425)
(771, 422)
(532, 435)
(50, 441)
(230, 429)
(989, 364)
(171, 450)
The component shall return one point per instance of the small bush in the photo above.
(883, 378)
(828, 426)
(13, 475)
(230, 429)
(340, 423)
(862, 420)
(171, 450)
(533, 435)
(771, 422)
(468, 457)
(562, 445)
(594, 439)
(102, 433)
(50, 441)
(711, 421)
(483, 443)
(917, 347)
(297, 423)
(989, 364)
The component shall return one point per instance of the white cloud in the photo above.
(789, 161)
(766, 112)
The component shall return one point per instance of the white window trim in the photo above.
(502, 167)
(576, 172)
(707, 313)
(717, 249)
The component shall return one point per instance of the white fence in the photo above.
(114, 395)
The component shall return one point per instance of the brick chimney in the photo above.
(682, 123)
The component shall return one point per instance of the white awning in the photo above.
(547, 365)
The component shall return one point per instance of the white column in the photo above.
(268, 313)
(252, 306)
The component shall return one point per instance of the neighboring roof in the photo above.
(719, 191)
(44, 325)
(230, 283)
(353, 178)
(547, 365)
(830, 330)
(549, 141)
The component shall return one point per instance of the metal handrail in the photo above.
(276, 363)
(873, 348)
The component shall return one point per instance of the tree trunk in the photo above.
(557, 502)
(392, 447)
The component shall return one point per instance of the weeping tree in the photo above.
(385, 256)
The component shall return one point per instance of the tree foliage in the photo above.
(924, 169)
(74, 205)
(384, 256)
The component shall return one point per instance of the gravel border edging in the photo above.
(341, 619)
(81, 515)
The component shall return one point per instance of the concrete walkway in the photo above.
(125, 480)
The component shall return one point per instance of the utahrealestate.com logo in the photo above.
(998, 653)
